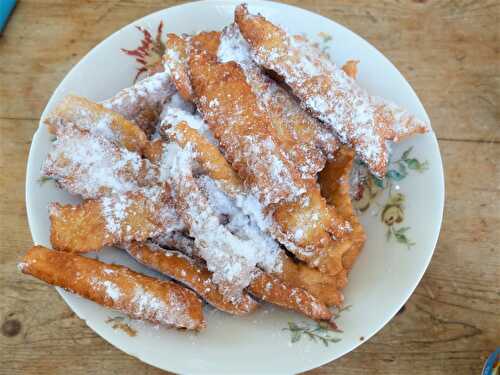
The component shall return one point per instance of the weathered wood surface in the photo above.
(449, 52)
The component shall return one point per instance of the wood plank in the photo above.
(447, 50)
(449, 326)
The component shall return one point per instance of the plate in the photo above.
(402, 215)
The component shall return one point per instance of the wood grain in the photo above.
(449, 52)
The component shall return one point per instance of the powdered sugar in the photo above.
(356, 118)
(110, 289)
(114, 212)
(172, 311)
(299, 133)
(171, 116)
(176, 101)
(93, 166)
(242, 224)
(142, 103)
(265, 160)
(220, 249)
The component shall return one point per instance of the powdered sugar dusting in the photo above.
(324, 88)
(172, 116)
(302, 136)
(110, 289)
(265, 160)
(229, 258)
(171, 312)
(92, 166)
(266, 251)
(143, 102)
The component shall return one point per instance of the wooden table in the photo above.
(449, 52)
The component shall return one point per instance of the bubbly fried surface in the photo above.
(274, 290)
(226, 190)
(117, 287)
(243, 130)
(142, 103)
(303, 138)
(295, 274)
(305, 223)
(334, 182)
(325, 287)
(111, 220)
(362, 121)
(85, 115)
(190, 273)
(175, 62)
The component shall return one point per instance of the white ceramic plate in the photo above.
(385, 274)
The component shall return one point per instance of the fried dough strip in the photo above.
(334, 182)
(190, 273)
(117, 287)
(242, 128)
(174, 61)
(325, 287)
(305, 225)
(271, 289)
(85, 115)
(360, 120)
(196, 276)
(142, 103)
(302, 136)
(216, 166)
(206, 154)
(294, 274)
(110, 220)
(93, 166)
(228, 257)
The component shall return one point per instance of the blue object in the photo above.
(6, 7)
(492, 365)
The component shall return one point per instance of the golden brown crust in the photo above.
(207, 155)
(92, 117)
(78, 229)
(231, 110)
(175, 59)
(273, 290)
(294, 274)
(190, 273)
(325, 287)
(117, 287)
(86, 227)
(334, 182)
(153, 150)
(302, 137)
(361, 121)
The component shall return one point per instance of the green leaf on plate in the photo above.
(405, 154)
(378, 181)
(416, 165)
(395, 175)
